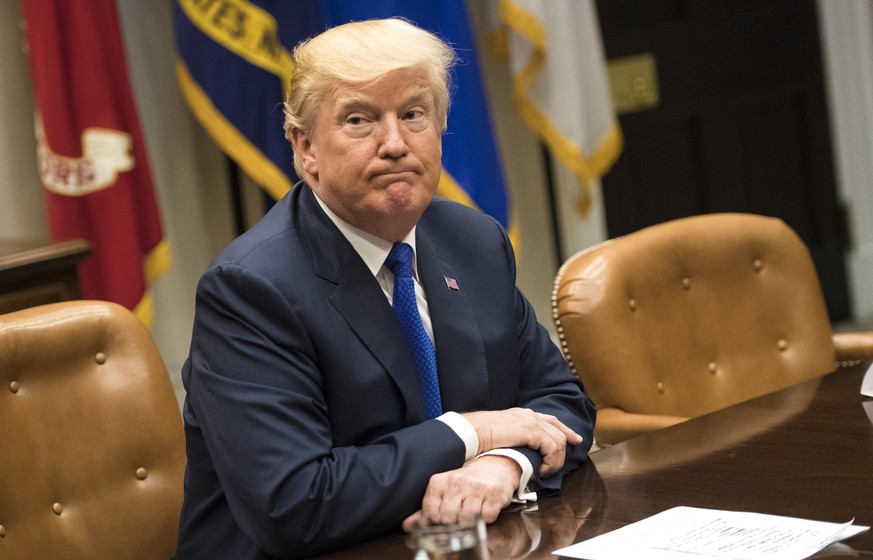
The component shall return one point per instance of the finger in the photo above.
(410, 522)
(470, 508)
(443, 497)
(449, 510)
(550, 455)
(571, 436)
(491, 508)
(431, 504)
(553, 450)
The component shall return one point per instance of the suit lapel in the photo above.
(357, 296)
(459, 346)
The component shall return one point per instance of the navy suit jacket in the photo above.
(305, 423)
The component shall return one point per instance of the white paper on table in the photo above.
(868, 408)
(867, 383)
(707, 534)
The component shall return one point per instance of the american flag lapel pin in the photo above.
(451, 284)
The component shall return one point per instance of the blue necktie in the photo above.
(399, 262)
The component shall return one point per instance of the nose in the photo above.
(392, 143)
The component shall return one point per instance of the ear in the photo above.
(305, 151)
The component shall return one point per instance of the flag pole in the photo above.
(557, 242)
(236, 198)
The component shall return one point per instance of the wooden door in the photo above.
(733, 119)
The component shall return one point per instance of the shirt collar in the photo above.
(373, 250)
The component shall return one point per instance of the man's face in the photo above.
(374, 155)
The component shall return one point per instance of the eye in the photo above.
(413, 114)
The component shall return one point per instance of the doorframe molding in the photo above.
(847, 53)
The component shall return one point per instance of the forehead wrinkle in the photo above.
(350, 97)
(420, 94)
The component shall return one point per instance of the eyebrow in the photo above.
(353, 101)
(350, 102)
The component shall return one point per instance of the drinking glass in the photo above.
(465, 540)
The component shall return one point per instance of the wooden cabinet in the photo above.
(34, 273)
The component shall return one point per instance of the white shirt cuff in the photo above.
(465, 431)
(522, 494)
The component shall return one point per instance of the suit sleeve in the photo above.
(548, 386)
(255, 397)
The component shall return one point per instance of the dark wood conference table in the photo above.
(805, 451)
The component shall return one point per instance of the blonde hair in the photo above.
(358, 53)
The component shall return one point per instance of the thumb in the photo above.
(410, 522)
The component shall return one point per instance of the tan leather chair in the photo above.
(689, 316)
(92, 451)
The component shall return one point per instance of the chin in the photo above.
(407, 199)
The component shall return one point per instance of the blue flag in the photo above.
(234, 63)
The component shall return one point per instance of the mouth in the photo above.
(395, 176)
(393, 173)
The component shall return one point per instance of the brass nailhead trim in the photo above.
(558, 277)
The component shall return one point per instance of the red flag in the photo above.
(92, 160)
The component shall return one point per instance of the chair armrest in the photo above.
(614, 425)
(853, 346)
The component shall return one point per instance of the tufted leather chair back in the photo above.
(92, 451)
(690, 316)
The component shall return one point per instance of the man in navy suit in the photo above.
(307, 424)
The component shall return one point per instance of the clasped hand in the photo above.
(517, 427)
(485, 485)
